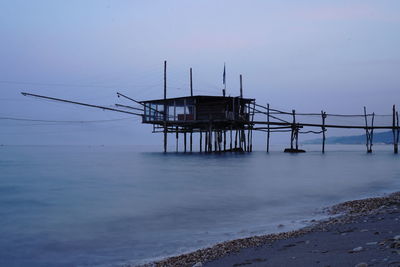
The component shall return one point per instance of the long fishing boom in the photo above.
(80, 103)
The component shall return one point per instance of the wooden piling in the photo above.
(398, 128)
(206, 141)
(368, 132)
(323, 115)
(251, 127)
(236, 139)
(241, 86)
(215, 141)
(191, 83)
(210, 138)
(366, 129)
(191, 141)
(184, 141)
(297, 137)
(230, 139)
(292, 136)
(219, 141)
(201, 140)
(165, 106)
(371, 135)
(395, 133)
(244, 140)
(177, 136)
(268, 128)
(248, 139)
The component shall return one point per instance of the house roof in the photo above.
(203, 97)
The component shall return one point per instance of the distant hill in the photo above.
(385, 138)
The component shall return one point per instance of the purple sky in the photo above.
(305, 55)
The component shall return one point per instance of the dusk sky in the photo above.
(310, 56)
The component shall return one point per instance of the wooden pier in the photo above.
(226, 123)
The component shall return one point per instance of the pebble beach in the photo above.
(358, 233)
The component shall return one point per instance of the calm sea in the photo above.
(108, 206)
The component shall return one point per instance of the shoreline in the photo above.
(343, 214)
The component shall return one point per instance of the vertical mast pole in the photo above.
(201, 141)
(241, 86)
(293, 134)
(269, 128)
(191, 94)
(323, 114)
(395, 145)
(191, 83)
(398, 130)
(165, 106)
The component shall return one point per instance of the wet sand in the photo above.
(361, 233)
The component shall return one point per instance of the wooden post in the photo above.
(236, 138)
(184, 141)
(210, 138)
(268, 128)
(248, 139)
(323, 114)
(215, 141)
(177, 134)
(248, 128)
(395, 133)
(191, 83)
(367, 133)
(398, 129)
(241, 86)
(191, 140)
(297, 137)
(293, 134)
(251, 131)
(240, 139)
(230, 144)
(366, 129)
(201, 140)
(206, 141)
(219, 141)
(244, 140)
(371, 135)
(165, 106)
(224, 140)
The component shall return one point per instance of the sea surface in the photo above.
(115, 205)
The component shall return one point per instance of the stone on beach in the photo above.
(357, 249)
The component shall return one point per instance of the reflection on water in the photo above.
(102, 206)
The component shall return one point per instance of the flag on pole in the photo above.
(224, 76)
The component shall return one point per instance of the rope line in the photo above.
(62, 121)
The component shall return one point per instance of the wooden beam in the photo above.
(165, 106)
